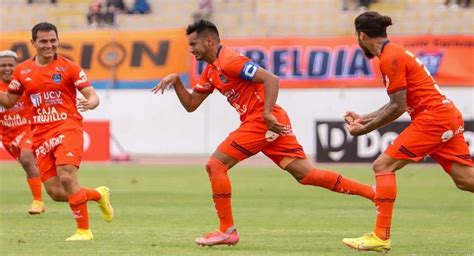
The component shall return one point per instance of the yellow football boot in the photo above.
(368, 242)
(37, 207)
(104, 203)
(81, 235)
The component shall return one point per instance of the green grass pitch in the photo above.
(161, 209)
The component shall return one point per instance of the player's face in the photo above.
(7, 64)
(197, 46)
(362, 43)
(46, 43)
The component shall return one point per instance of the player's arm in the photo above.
(8, 100)
(90, 100)
(190, 100)
(363, 119)
(387, 114)
(271, 88)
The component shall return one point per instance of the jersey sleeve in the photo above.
(204, 85)
(394, 71)
(241, 67)
(78, 76)
(15, 86)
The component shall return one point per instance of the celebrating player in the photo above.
(50, 81)
(15, 131)
(436, 128)
(265, 126)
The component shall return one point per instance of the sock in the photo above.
(385, 194)
(92, 194)
(337, 183)
(35, 187)
(78, 204)
(221, 192)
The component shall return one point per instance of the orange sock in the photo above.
(336, 182)
(78, 204)
(221, 192)
(386, 192)
(35, 187)
(92, 194)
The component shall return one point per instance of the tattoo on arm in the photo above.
(388, 113)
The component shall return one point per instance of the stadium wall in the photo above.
(145, 123)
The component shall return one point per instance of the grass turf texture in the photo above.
(161, 209)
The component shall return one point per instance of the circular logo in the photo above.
(112, 55)
(271, 136)
(447, 135)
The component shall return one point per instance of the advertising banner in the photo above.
(339, 62)
(116, 59)
(334, 144)
(96, 142)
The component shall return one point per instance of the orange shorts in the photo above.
(15, 144)
(58, 147)
(441, 140)
(249, 139)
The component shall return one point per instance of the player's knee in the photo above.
(55, 194)
(27, 159)
(379, 166)
(66, 180)
(466, 185)
(215, 167)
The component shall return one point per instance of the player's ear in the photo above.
(32, 42)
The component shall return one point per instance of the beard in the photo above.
(367, 53)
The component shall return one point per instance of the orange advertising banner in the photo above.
(339, 62)
(116, 59)
(96, 142)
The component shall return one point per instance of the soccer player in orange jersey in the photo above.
(15, 131)
(265, 126)
(436, 129)
(49, 81)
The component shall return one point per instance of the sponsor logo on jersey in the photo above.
(49, 145)
(25, 71)
(14, 85)
(36, 99)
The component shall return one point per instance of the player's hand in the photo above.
(83, 105)
(274, 125)
(165, 83)
(350, 117)
(356, 129)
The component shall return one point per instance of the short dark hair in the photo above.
(373, 24)
(202, 26)
(43, 26)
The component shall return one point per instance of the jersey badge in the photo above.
(57, 78)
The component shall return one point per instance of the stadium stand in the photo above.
(251, 17)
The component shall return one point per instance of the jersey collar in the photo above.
(383, 45)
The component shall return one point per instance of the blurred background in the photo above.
(127, 46)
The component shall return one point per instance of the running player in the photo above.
(265, 126)
(50, 82)
(15, 131)
(436, 129)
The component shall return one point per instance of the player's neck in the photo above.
(6, 81)
(43, 62)
(213, 55)
(378, 46)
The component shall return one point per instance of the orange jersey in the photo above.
(51, 91)
(231, 74)
(402, 70)
(15, 120)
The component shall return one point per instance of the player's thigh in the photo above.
(414, 143)
(224, 158)
(463, 176)
(70, 149)
(386, 163)
(245, 141)
(284, 151)
(452, 151)
(299, 168)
